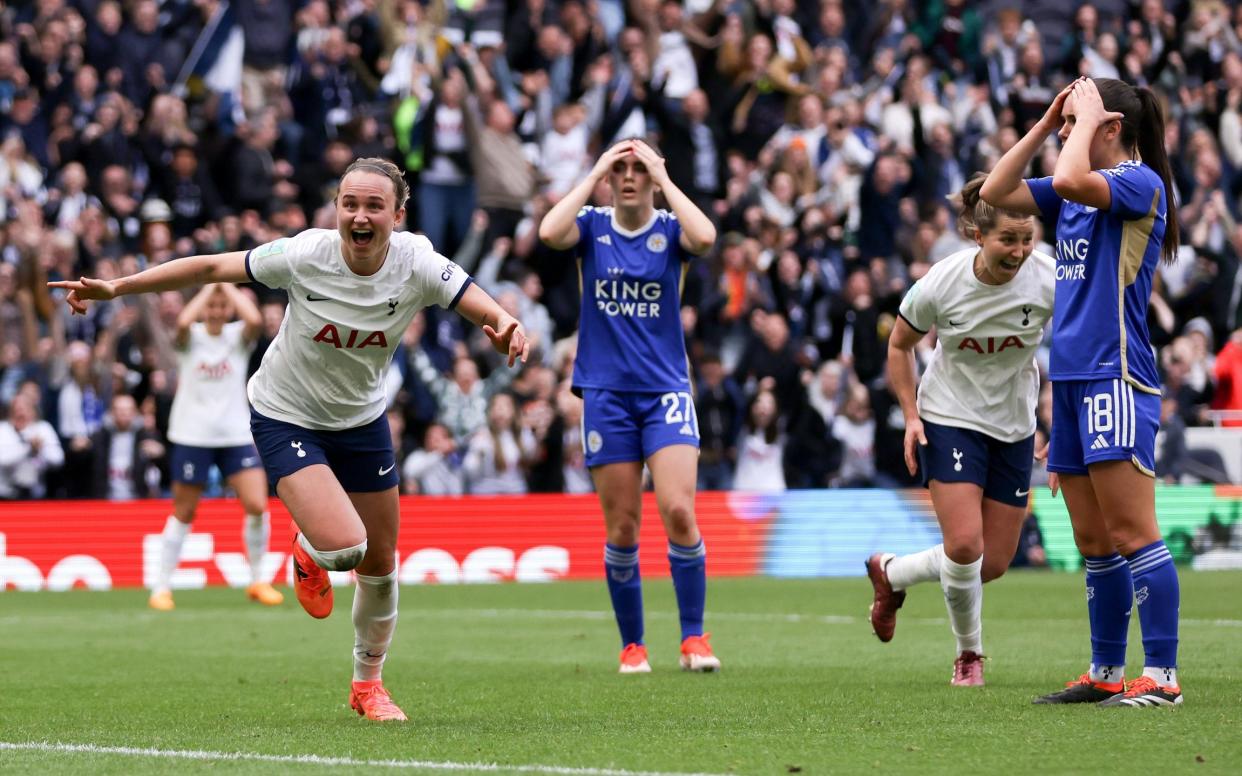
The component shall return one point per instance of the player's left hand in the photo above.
(1088, 107)
(511, 340)
(653, 161)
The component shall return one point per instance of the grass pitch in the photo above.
(522, 679)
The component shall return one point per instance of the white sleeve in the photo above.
(919, 306)
(51, 452)
(273, 264)
(438, 280)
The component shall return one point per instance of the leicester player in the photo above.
(973, 423)
(632, 372)
(317, 401)
(1110, 202)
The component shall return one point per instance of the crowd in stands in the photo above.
(822, 136)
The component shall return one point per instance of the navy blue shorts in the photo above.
(361, 458)
(1102, 420)
(1002, 469)
(190, 465)
(623, 426)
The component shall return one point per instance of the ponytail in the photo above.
(1142, 129)
(1152, 151)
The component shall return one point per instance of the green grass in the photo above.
(525, 675)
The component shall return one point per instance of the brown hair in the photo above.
(1142, 128)
(973, 213)
(385, 168)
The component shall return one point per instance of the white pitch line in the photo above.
(314, 759)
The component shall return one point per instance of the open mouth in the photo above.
(361, 237)
(1010, 266)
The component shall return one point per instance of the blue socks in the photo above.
(688, 566)
(1158, 596)
(626, 588)
(1109, 593)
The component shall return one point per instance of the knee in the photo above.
(624, 532)
(254, 506)
(1091, 545)
(679, 519)
(963, 548)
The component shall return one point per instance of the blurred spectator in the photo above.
(719, 407)
(127, 456)
(499, 453)
(29, 448)
(854, 427)
(434, 470)
(760, 451)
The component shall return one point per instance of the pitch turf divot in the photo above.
(314, 759)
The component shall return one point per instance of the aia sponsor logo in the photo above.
(987, 345)
(329, 335)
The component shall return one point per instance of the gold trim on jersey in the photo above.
(1135, 236)
(1143, 469)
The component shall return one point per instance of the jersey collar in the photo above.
(616, 227)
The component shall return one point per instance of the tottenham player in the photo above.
(1111, 205)
(632, 372)
(973, 423)
(317, 401)
(210, 425)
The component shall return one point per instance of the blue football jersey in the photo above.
(1104, 267)
(630, 336)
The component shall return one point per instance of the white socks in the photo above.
(963, 594)
(173, 537)
(335, 560)
(906, 570)
(256, 532)
(375, 618)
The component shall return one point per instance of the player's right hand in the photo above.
(83, 290)
(914, 434)
(603, 165)
(1051, 120)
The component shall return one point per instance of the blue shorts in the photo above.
(1002, 469)
(190, 465)
(361, 458)
(1102, 420)
(623, 426)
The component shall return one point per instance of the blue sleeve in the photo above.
(1135, 190)
(1046, 199)
(674, 239)
(584, 219)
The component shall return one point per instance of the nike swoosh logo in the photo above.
(955, 323)
(385, 471)
(311, 298)
(1021, 493)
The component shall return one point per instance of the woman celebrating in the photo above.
(317, 402)
(631, 370)
(1110, 202)
(210, 424)
(973, 422)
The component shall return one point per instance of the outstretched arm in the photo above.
(506, 334)
(172, 275)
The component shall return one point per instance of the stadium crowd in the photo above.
(822, 136)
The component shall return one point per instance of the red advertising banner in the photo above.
(59, 545)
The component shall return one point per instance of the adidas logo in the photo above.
(606, 239)
(1100, 442)
(686, 430)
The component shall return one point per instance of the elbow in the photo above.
(989, 192)
(1067, 186)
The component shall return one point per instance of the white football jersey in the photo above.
(982, 375)
(325, 369)
(210, 408)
